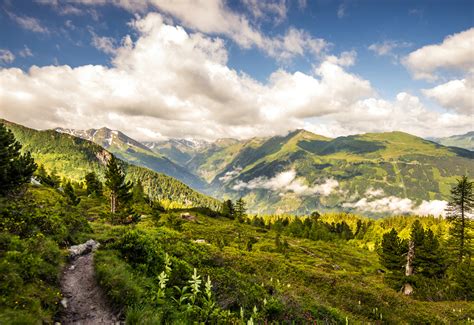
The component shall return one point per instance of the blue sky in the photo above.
(378, 36)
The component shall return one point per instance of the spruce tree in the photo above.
(458, 214)
(115, 181)
(391, 251)
(240, 209)
(16, 169)
(93, 184)
(228, 209)
(138, 193)
(70, 194)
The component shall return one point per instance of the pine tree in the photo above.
(228, 209)
(138, 193)
(458, 212)
(115, 181)
(93, 184)
(16, 169)
(70, 194)
(391, 251)
(240, 209)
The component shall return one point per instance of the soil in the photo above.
(85, 303)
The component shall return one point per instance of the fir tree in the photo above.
(391, 251)
(138, 193)
(16, 169)
(240, 209)
(93, 185)
(458, 212)
(228, 209)
(115, 181)
(70, 194)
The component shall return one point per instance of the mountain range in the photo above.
(73, 157)
(465, 141)
(373, 174)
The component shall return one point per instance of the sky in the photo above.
(156, 69)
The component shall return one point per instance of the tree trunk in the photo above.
(113, 203)
(407, 288)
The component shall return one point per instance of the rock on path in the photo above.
(84, 301)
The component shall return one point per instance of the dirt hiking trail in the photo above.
(84, 301)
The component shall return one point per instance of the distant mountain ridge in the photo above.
(372, 173)
(136, 153)
(465, 141)
(74, 157)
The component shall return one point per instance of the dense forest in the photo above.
(182, 257)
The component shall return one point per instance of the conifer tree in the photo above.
(391, 252)
(240, 209)
(458, 214)
(16, 169)
(70, 194)
(138, 193)
(93, 184)
(115, 181)
(228, 209)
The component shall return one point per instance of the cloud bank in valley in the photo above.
(286, 182)
(376, 202)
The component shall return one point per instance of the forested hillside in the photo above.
(373, 173)
(72, 157)
(163, 265)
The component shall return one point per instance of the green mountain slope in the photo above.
(374, 173)
(74, 157)
(465, 141)
(136, 153)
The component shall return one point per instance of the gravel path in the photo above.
(85, 302)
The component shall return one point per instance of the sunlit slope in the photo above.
(74, 157)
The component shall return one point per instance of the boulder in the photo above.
(82, 249)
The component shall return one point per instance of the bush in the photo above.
(122, 285)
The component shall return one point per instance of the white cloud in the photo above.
(264, 9)
(215, 17)
(6, 56)
(456, 52)
(372, 192)
(346, 59)
(103, 43)
(178, 84)
(455, 94)
(388, 47)
(396, 205)
(228, 176)
(29, 23)
(287, 182)
(25, 52)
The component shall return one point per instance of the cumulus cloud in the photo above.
(170, 80)
(346, 59)
(454, 53)
(396, 205)
(456, 94)
(287, 182)
(179, 83)
(6, 56)
(103, 43)
(215, 17)
(29, 23)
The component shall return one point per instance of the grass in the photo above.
(328, 281)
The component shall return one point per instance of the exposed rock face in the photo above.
(82, 249)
